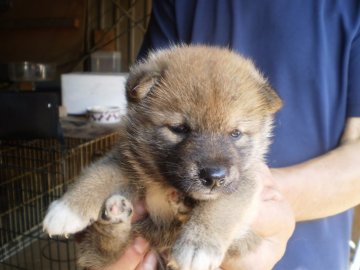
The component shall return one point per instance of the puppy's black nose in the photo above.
(213, 176)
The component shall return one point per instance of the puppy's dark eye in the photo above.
(236, 134)
(180, 129)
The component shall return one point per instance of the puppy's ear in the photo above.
(140, 85)
(143, 78)
(271, 98)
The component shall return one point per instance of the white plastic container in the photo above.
(80, 91)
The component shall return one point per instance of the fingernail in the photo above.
(140, 245)
(150, 261)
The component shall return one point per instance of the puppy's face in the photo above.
(199, 117)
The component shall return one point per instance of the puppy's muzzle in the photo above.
(213, 177)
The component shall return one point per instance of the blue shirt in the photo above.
(310, 52)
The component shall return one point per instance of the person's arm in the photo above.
(328, 184)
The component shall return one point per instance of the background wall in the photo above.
(66, 32)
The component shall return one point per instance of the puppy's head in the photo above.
(198, 117)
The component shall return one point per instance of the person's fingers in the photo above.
(271, 193)
(132, 256)
(149, 262)
(275, 217)
(266, 176)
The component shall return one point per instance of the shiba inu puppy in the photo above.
(199, 121)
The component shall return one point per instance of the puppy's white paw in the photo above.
(191, 254)
(62, 220)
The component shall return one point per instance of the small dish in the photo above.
(105, 114)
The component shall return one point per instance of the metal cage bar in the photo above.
(32, 174)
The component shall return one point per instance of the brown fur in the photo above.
(185, 103)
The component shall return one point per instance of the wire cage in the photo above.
(32, 174)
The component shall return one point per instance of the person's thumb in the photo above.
(132, 256)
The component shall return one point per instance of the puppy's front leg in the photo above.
(81, 204)
(213, 225)
(104, 241)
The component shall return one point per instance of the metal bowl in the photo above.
(31, 72)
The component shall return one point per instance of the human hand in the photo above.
(275, 223)
(138, 255)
